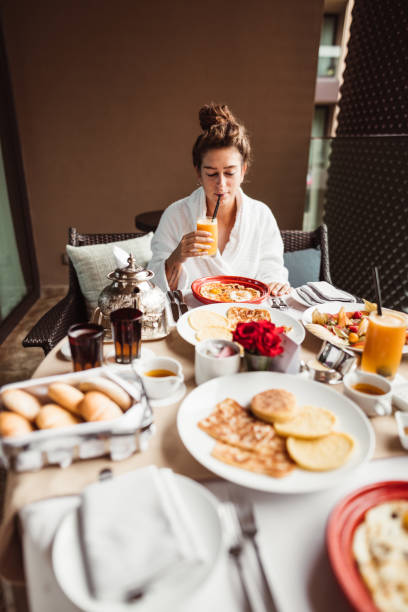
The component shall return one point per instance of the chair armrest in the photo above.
(53, 326)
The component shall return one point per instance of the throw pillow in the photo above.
(303, 266)
(94, 262)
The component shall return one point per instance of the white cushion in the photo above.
(94, 262)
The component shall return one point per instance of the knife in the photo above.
(182, 305)
(174, 307)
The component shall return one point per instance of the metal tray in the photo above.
(118, 439)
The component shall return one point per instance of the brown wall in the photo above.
(107, 94)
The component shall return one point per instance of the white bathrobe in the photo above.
(254, 249)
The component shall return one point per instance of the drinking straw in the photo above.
(216, 208)
(377, 289)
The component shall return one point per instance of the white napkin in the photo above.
(137, 534)
(121, 256)
(320, 292)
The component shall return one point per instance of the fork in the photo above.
(246, 517)
(234, 540)
(277, 302)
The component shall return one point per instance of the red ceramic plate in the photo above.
(251, 283)
(343, 521)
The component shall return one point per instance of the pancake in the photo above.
(213, 331)
(274, 405)
(205, 318)
(327, 453)
(311, 422)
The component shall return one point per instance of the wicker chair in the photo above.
(296, 240)
(71, 309)
(53, 326)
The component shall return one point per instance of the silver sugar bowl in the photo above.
(132, 287)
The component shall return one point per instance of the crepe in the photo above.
(311, 422)
(232, 424)
(274, 464)
(380, 545)
(213, 331)
(239, 314)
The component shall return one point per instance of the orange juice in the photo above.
(384, 343)
(206, 224)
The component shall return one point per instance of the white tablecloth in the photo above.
(291, 538)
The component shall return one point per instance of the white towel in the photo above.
(137, 534)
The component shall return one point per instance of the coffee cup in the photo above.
(161, 376)
(371, 392)
(215, 358)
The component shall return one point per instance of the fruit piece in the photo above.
(353, 337)
(353, 328)
(358, 314)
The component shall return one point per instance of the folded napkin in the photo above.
(121, 257)
(319, 292)
(137, 535)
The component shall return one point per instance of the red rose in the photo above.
(260, 337)
(246, 334)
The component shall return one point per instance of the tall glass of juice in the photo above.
(384, 342)
(208, 224)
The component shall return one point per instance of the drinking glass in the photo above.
(208, 224)
(384, 342)
(86, 344)
(127, 333)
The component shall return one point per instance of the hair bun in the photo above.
(214, 114)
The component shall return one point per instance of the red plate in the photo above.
(343, 521)
(197, 285)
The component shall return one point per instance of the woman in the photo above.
(249, 241)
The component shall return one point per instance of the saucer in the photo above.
(170, 399)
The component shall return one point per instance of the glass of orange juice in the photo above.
(208, 224)
(384, 342)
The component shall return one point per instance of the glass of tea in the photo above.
(384, 342)
(86, 344)
(208, 224)
(127, 333)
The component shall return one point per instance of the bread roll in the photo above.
(52, 416)
(12, 425)
(21, 402)
(66, 396)
(109, 388)
(97, 406)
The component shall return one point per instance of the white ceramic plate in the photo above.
(242, 387)
(297, 333)
(70, 572)
(332, 308)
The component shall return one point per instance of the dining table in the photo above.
(291, 527)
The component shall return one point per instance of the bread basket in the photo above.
(119, 438)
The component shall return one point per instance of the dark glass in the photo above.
(126, 333)
(86, 343)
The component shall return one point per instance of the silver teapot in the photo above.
(132, 287)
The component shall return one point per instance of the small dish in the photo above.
(402, 424)
(400, 396)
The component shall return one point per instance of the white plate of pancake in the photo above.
(186, 331)
(202, 401)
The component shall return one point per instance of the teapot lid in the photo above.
(132, 273)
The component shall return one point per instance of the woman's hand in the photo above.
(278, 288)
(194, 244)
(191, 245)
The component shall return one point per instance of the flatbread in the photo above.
(274, 405)
(327, 453)
(311, 422)
(277, 464)
(205, 318)
(213, 331)
(380, 545)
